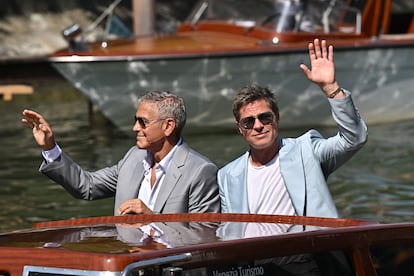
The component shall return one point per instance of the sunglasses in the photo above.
(265, 118)
(143, 122)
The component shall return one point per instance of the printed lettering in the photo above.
(251, 271)
(225, 273)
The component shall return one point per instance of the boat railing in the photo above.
(198, 12)
(76, 37)
(107, 13)
(290, 16)
(326, 16)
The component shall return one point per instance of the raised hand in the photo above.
(322, 70)
(42, 132)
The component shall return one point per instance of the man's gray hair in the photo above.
(169, 105)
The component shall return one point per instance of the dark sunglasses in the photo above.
(265, 118)
(143, 122)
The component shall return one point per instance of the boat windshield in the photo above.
(278, 15)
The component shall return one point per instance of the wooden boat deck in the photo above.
(95, 244)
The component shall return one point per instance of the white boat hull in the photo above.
(380, 79)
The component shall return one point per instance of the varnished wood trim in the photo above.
(205, 217)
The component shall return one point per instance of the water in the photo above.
(377, 184)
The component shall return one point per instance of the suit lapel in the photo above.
(129, 187)
(237, 191)
(239, 200)
(291, 168)
(171, 178)
(136, 179)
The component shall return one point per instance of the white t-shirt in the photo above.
(266, 190)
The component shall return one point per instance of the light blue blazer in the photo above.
(305, 164)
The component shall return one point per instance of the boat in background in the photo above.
(227, 44)
(208, 244)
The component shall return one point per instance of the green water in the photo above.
(378, 184)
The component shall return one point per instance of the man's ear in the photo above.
(169, 126)
(239, 128)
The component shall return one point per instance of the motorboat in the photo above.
(208, 244)
(227, 44)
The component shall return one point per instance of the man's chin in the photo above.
(263, 145)
(140, 146)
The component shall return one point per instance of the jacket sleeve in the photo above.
(81, 183)
(351, 136)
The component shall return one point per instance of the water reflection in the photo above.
(378, 184)
(375, 185)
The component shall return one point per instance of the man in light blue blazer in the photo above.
(161, 174)
(288, 176)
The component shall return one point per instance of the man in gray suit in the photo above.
(162, 174)
(288, 176)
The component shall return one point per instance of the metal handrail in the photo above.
(196, 15)
(157, 261)
(328, 11)
(108, 11)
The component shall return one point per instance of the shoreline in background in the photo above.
(33, 29)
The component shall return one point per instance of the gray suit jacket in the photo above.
(190, 185)
(305, 163)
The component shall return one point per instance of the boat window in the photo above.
(402, 17)
(285, 15)
(29, 270)
(393, 260)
